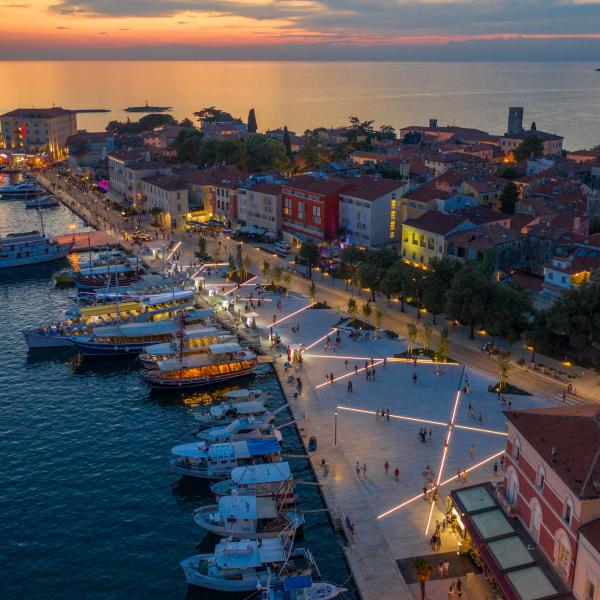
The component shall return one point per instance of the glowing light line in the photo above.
(491, 431)
(348, 375)
(319, 340)
(235, 285)
(443, 483)
(400, 417)
(174, 250)
(338, 356)
(292, 314)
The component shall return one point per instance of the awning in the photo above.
(117, 199)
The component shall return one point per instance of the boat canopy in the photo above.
(243, 449)
(263, 447)
(248, 553)
(297, 582)
(102, 309)
(166, 297)
(229, 348)
(267, 473)
(135, 330)
(106, 269)
(247, 507)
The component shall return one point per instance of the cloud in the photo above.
(392, 18)
(16, 5)
(62, 27)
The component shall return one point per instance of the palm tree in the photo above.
(366, 310)
(352, 310)
(423, 569)
(247, 265)
(426, 334)
(412, 332)
(312, 292)
(378, 317)
(266, 269)
(276, 274)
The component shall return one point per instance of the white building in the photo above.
(260, 206)
(169, 194)
(370, 211)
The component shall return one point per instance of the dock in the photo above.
(88, 239)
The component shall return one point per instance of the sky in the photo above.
(296, 28)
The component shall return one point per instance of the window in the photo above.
(540, 478)
(568, 512)
(516, 451)
(301, 210)
(317, 215)
(287, 206)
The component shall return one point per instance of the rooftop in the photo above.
(316, 185)
(485, 236)
(371, 188)
(166, 182)
(436, 222)
(568, 439)
(38, 113)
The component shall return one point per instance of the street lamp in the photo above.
(532, 353)
(335, 416)
(73, 227)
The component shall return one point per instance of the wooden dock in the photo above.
(87, 239)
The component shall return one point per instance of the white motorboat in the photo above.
(216, 461)
(193, 341)
(244, 395)
(29, 248)
(248, 516)
(248, 565)
(244, 428)
(300, 587)
(272, 480)
(226, 412)
(42, 202)
(25, 189)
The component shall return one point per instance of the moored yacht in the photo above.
(108, 276)
(249, 565)
(222, 362)
(133, 338)
(244, 428)
(193, 341)
(25, 189)
(81, 321)
(272, 480)
(216, 461)
(226, 412)
(248, 516)
(300, 587)
(42, 202)
(29, 248)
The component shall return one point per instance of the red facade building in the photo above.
(311, 207)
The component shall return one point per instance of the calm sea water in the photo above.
(561, 97)
(89, 506)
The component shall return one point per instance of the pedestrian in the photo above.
(473, 451)
(385, 362)
(326, 378)
(446, 568)
(387, 414)
(465, 476)
(372, 361)
(364, 468)
(414, 378)
(357, 469)
(495, 468)
(430, 432)
(451, 592)
(331, 377)
(349, 386)
(441, 570)
(346, 364)
(459, 591)
(373, 373)
(502, 462)
(366, 365)
(396, 473)
(356, 369)
(386, 466)
(367, 374)
(425, 493)
(480, 418)
(509, 403)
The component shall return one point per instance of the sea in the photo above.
(90, 508)
(561, 97)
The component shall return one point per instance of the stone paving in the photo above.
(365, 439)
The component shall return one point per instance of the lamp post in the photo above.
(335, 416)
(73, 226)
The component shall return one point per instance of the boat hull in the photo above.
(87, 348)
(11, 263)
(41, 340)
(150, 377)
(199, 473)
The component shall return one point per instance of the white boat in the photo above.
(24, 189)
(248, 565)
(272, 480)
(300, 587)
(225, 412)
(193, 341)
(42, 202)
(216, 461)
(81, 321)
(244, 428)
(248, 516)
(134, 338)
(222, 362)
(29, 248)
(244, 395)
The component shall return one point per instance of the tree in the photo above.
(426, 333)
(351, 257)
(247, 264)
(231, 152)
(378, 317)
(231, 268)
(287, 278)
(154, 120)
(412, 332)
(423, 570)
(352, 310)
(313, 151)
(470, 297)
(437, 282)
(156, 212)
(443, 345)
(266, 269)
(201, 251)
(366, 310)
(276, 274)
(312, 292)
(398, 280)
(370, 276)
(531, 146)
(504, 365)
(509, 313)
(510, 173)
(187, 144)
(412, 137)
(252, 124)
(287, 142)
(187, 123)
(211, 114)
(309, 252)
(386, 132)
(266, 154)
(509, 198)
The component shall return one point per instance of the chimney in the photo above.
(432, 123)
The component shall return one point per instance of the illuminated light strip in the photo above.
(348, 375)
(319, 340)
(503, 433)
(445, 452)
(235, 286)
(177, 245)
(443, 483)
(292, 314)
(400, 417)
(343, 357)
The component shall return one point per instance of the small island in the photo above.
(147, 109)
